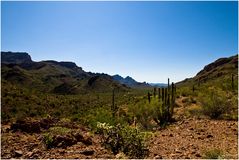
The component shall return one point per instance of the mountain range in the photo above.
(129, 81)
(59, 77)
(67, 78)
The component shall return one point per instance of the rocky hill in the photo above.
(220, 69)
(53, 76)
(15, 57)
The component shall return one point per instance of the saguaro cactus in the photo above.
(149, 97)
(232, 82)
(154, 92)
(165, 96)
(162, 94)
(113, 109)
(172, 100)
(159, 96)
(168, 103)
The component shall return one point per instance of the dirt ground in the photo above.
(187, 138)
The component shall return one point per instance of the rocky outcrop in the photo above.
(15, 57)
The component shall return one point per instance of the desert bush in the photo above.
(48, 140)
(99, 115)
(185, 91)
(49, 136)
(215, 103)
(124, 139)
(145, 113)
(59, 130)
(213, 154)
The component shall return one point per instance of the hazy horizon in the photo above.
(148, 41)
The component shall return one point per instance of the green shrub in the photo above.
(59, 130)
(185, 91)
(145, 112)
(53, 131)
(123, 139)
(215, 103)
(99, 115)
(213, 154)
(48, 140)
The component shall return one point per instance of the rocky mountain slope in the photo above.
(220, 69)
(53, 76)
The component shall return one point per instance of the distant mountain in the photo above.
(158, 84)
(220, 69)
(52, 76)
(127, 80)
(130, 82)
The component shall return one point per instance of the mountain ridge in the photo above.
(52, 76)
(220, 68)
(130, 82)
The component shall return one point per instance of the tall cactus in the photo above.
(168, 83)
(172, 100)
(159, 95)
(163, 94)
(168, 102)
(232, 82)
(113, 109)
(149, 97)
(154, 92)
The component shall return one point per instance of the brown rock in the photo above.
(18, 153)
(87, 141)
(178, 151)
(209, 136)
(26, 126)
(87, 152)
(158, 157)
(198, 155)
(29, 154)
(78, 136)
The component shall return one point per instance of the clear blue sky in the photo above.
(149, 41)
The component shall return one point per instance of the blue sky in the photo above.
(149, 41)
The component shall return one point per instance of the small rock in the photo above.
(200, 138)
(178, 151)
(62, 151)
(88, 152)
(78, 136)
(198, 155)
(171, 135)
(29, 154)
(209, 136)
(87, 141)
(201, 130)
(18, 153)
(121, 155)
(36, 150)
(158, 157)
